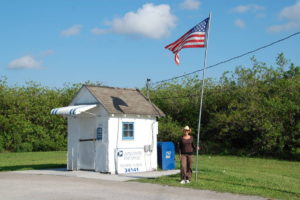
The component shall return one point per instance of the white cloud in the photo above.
(99, 31)
(247, 8)
(239, 23)
(283, 27)
(291, 12)
(25, 62)
(73, 30)
(149, 21)
(190, 4)
(292, 15)
(47, 52)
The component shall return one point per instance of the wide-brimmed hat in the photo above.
(187, 128)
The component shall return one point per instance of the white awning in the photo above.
(72, 110)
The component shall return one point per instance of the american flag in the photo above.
(194, 38)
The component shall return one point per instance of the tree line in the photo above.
(253, 111)
(249, 111)
(25, 120)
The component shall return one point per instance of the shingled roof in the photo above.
(124, 101)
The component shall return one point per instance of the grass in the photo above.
(32, 160)
(253, 176)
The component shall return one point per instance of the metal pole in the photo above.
(201, 99)
(147, 86)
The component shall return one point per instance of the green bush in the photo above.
(25, 120)
(250, 111)
(168, 130)
(24, 147)
(1, 144)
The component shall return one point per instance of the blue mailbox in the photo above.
(166, 155)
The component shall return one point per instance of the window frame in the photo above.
(123, 130)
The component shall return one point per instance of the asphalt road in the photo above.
(14, 186)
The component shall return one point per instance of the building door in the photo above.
(87, 140)
(87, 154)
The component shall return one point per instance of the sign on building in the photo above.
(130, 160)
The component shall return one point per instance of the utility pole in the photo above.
(147, 87)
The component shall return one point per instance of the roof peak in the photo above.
(123, 100)
(109, 87)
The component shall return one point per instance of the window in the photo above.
(99, 133)
(128, 131)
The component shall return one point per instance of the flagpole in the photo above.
(201, 98)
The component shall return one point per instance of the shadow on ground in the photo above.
(22, 167)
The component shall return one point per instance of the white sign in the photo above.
(168, 154)
(130, 161)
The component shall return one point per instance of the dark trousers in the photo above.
(186, 166)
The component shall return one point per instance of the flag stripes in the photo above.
(194, 38)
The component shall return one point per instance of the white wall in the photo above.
(102, 145)
(84, 97)
(73, 137)
(145, 133)
(84, 126)
(76, 126)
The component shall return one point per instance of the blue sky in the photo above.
(121, 43)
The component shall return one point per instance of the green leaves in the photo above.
(252, 110)
(25, 120)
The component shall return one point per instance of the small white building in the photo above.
(111, 130)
